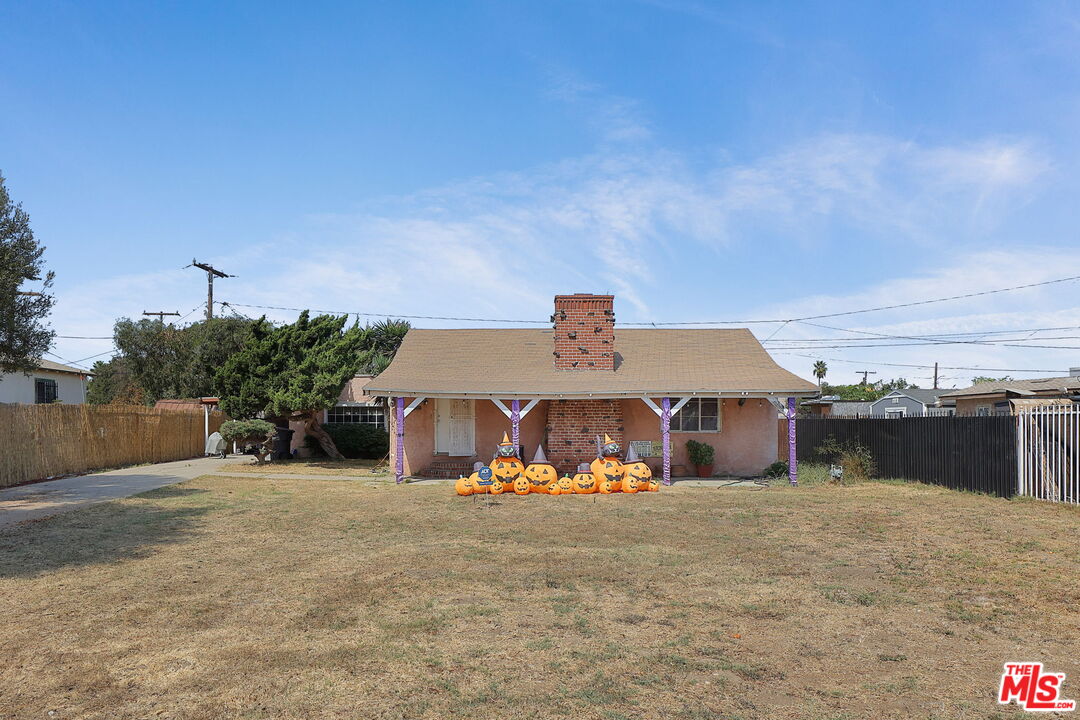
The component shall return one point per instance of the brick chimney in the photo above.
(584, 332)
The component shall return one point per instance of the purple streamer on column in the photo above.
(665, 432)
(792, 473)
(515, 421)
(399, 418)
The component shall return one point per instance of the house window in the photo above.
(982, 410)
(44, 391)
(697, 415)
(895, 412)
(362, 414)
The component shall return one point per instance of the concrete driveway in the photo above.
(27, 502)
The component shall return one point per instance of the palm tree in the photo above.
(820, 368)
(382, 340)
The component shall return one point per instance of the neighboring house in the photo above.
(833, 406)
(1005, 397)
(910, 402)
(353, 406)
(51, 382)
(459, 390)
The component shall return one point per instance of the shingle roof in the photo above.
(57, 367)
(518, 362)
(925, 396)
(1069, 384)
(850, 408)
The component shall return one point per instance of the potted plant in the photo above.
(702, 455)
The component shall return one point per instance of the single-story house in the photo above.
(912, 401)
(833, 406)
(50, 382)
(1005, 397)
(454, 392)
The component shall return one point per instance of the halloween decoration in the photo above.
(481, 478)
(497, 487)
(636, 474)
(554, 489)
(463, 486)
(606, 486)
(583, 481)
(607, 466)
(521, 485)
(506, 465)
(566, 485)
(654, 485)
(540, 473)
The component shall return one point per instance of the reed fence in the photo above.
(43, 441)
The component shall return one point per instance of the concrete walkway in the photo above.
(27, 502)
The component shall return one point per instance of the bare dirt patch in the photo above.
(276, 598)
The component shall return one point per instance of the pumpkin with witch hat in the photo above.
(506, 465)
(540, 473)
(636, 474)
(607, 467)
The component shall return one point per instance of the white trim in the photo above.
(655, 408)
(502, 406)
(529, 406)
(679, 405)
(413, 405)
(759, 394)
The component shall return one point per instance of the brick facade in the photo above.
(572, 427)
(584, 332)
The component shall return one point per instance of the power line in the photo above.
(84, 337)
(385, 315)
(925, 367)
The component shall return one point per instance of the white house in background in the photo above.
(51, 382)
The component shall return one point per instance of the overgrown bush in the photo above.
(700, 453)
(245, 430)
(354, 440)
(777, 470)
(853, 457)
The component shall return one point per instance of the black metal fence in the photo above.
(962, 453)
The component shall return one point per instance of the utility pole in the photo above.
(865, 373)
(211, 273)
(935, 375)
(161, 315)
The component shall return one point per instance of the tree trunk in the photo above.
(312, 426)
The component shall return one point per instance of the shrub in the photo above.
(246, 430)
(700, 453)
(852, 456)
(777, 470)
(354, 440)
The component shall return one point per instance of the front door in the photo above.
(455, 427)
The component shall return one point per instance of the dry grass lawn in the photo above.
(245, 597)
(311, 466)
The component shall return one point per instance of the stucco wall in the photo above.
(969, 406)
(19, 388)
(746, 444)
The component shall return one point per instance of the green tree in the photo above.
(982, 378)
(24, 337)
(294, 371)
(384, 339)
(158, 360)
(820, 368)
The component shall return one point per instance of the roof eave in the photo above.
(400, 392)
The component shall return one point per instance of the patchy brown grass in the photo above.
(244, 597)
(312, 466)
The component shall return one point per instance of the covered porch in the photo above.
(443, 434)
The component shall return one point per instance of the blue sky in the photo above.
(703, 161)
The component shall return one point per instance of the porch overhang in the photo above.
(608, 395)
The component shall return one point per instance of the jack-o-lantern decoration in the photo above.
(636, 474)
(566, 485)
(654, 484)
(481, 478)
(606, 487)
(540, 473)
(521, 485)
(554, 489)
(497, 487)
(463, 486)
(506, 465)
(607, 466)
(584, 482)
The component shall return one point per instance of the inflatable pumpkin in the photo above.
(540, 473)
(463, 486)
(497, 487)
(521, 485)
(584, 481)
(566, 485)
(608, 467)
(636, 474)
(607, 486)
(481, 478)
(554, 489)
(506, 466)
(654, 485)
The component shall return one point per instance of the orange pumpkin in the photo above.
(497, 487)
(636, 474)
(521, 485)
(654, 485)
(584, 481)
(554, 489)
(506, 465)
(566, 485)
(463, 486)
(540, 474)
(480, 478)
(608, 468)
(607, 487)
